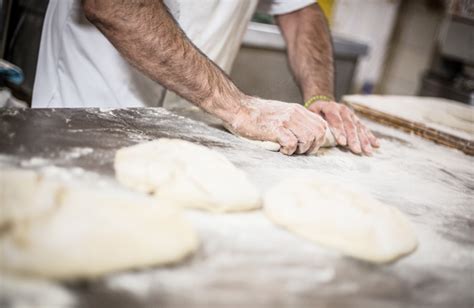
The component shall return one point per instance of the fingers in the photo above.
(299, 130)
(346, 127)
(351, 130)
(367, 139)
(312, 119)
(304, 135)
(373, 140)
(336, 126)
(364, 140)
(318, 142)
(316, 129)
(332, 116)
(308, 128)
(305, 145)
(287, 141)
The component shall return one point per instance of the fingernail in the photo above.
(368, 151)
(343, 140)
(357, 148)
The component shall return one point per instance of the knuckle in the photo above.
(346, 116)
(352, 135)
(334, 107)
(288, 149)
(319, 134)
(290, 143)
(348, 126)
(347, 111)
(344, 108)
(306, 142)
(294, 115)
(320, 129)
(333, 116)
(285, 120)
(351, 125)
(306, 138)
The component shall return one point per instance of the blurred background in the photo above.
(397, 47)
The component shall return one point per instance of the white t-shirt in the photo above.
(79, 67)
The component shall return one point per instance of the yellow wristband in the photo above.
(316, 98)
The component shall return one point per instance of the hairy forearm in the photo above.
(146, 34)
(310, 51)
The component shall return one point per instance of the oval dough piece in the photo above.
(336, 217)
(81, 231)
(24, 188)
(187, 174)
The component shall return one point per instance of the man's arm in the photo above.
(146, 34)
(310, 55)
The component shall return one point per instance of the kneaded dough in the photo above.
(71, 230)
(329, 142)
(349, 221)
(187, 174)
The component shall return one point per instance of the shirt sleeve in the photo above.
(278, 7)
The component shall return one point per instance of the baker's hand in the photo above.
(296, 129)
(346, 127)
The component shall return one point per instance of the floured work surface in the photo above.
(244, 260)
(440, 120)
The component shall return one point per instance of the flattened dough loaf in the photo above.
(189, 175)
(24, 195)
(71, 230)
(330, 215)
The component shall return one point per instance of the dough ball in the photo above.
(187, 174)
(334, 216)
(75, 230)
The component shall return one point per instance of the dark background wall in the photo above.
(22, 39)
